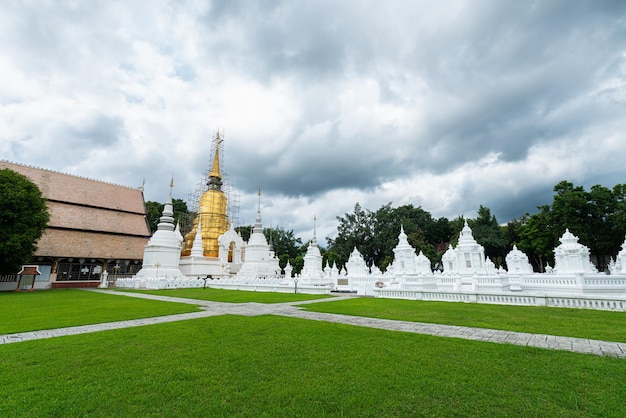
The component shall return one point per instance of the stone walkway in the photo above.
(577, 345)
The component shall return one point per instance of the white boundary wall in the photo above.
(601, 302)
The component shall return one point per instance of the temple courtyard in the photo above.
(253, 354)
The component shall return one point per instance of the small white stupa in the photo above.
(405, 261)
(422, 265)
(517, 262)
(312, 272)
(260, 260)
(572, 257)
(356, 264)
(467, 258)
(161, 254)
(404, 255)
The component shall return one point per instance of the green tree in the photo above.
(375, 234)
(154, 211)
(538, 239)
(603, 234)
(619, 216)
(596, 217)
(284, 241)
(513, 229)
(245, 231)
(569, 210)
(355, 230)
(297, 263)
(387, 223)
(487, 232)
(330, 257)
(24, 218)
(456, 225)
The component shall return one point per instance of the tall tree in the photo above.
(487, 232)
(570, 209)
(602, 231)
(284, 241)
(538, 238)
(23, 221)
(355, 230)
(154, 211)
(513, 229)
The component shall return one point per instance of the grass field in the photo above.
(582, 323)
(232, 296)
(277, 366)
(274, 366)
(31, 311)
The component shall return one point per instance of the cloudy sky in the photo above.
(444, 104)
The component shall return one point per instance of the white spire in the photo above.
(258, 225)
(197, 249)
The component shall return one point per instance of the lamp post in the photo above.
(116, 269)
(295, 281)
(157, 269)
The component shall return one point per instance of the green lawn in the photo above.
(582, 323)
(31, 311)
(276, 366)
(231, 296)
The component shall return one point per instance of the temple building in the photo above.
(94, 227)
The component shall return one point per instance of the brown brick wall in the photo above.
(81, 244)
(65, 215)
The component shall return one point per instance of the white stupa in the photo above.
(405, 260)
(356, 264)
(312, 272)
(161, 254)
(467, 258)
(572, 257)
(517, 262)
(260, 260)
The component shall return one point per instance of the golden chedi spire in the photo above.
(215, 169)
(211, 213)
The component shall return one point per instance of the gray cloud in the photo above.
(447, 104)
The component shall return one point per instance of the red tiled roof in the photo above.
(82, 191)
(88, 218)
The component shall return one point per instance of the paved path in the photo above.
(578, 345)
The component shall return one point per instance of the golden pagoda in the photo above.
(211, 213)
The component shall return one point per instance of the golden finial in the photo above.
(215, 170)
